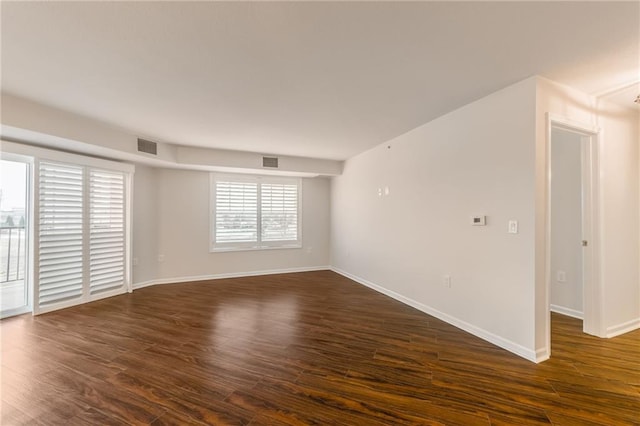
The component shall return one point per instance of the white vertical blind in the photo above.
(279, 212)
(236, 212)
(60, 239)
(106, 230)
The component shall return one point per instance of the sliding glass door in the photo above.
(14, 231)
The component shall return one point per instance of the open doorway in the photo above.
(15, 285)
(567, 286)
(573, 285)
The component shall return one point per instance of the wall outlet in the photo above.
(479, 220)
(161, 258)
(513, 226)
(561, 276)
(446, 281)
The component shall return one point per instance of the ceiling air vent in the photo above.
(147, 146)
(271, 162)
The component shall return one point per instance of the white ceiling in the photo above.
(325, 80)
(624, 95)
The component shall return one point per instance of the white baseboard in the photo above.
(612, 331)
(176, 280)
(566, 311)
(142, 284)
(542, 355)
(625, 327)
(534, 356)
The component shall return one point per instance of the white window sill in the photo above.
(255, 248)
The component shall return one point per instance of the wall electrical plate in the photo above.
(478, 220)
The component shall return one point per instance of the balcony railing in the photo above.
(12, 253)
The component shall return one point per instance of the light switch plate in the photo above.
(513, 226)
(561, 276)
(446, 281)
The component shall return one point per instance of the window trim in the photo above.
(259, 244)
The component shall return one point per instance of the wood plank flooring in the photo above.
(294, 349)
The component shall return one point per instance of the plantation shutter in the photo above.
(60, 238)
(81, 247)
(106, 230)
(279, 212)
(255, 212)
(236, 212)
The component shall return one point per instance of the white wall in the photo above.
(620, 179)
(566, 222)
(144, 224)
(618, 207)
(183, 231)
(479, 159)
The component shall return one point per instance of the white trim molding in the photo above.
(534, 356)
(142, 284)
(176, 280)
(625, 327)
(591, 134)
(566, 311)
(542, 354)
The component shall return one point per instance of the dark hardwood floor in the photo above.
(308, 348)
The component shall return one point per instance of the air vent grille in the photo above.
(147, 146)
(271, 162)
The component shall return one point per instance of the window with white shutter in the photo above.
(60, 248)
(236, 219)
(254, 212)
(279, 211)
(107, 230)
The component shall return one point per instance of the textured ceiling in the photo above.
(325, 80)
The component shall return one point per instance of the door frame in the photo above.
(28, 270)
(591, 256)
